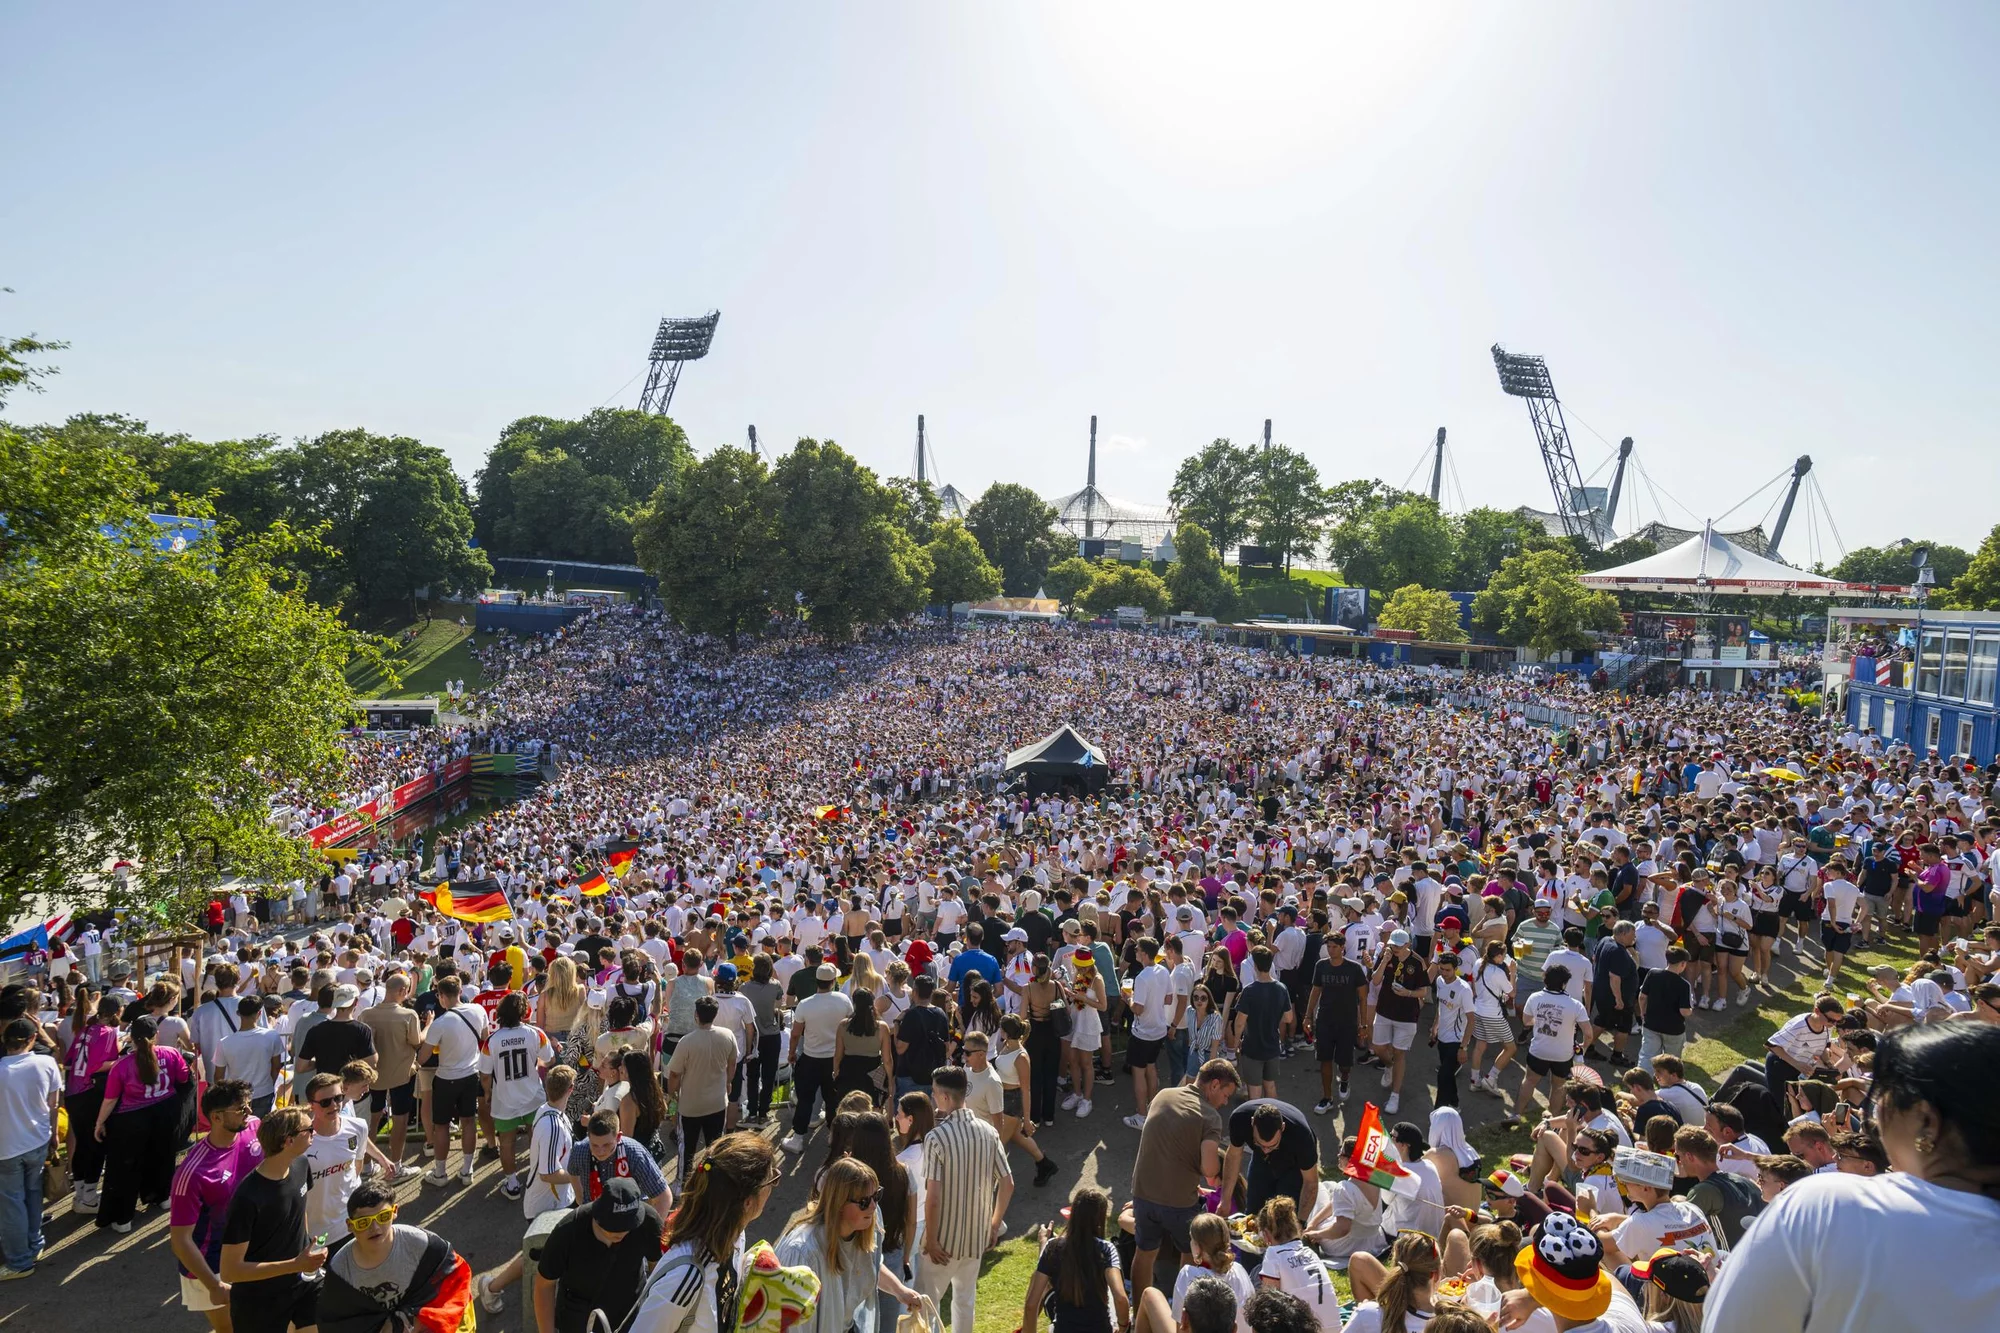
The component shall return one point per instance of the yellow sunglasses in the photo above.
(357, 1225)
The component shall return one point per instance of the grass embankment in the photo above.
(424, 654)
(1301, 597)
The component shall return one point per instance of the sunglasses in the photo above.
(867, 1201)
(357, 1225)
(326, 1103)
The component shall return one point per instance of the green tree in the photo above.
(1426, 612)
(710, 536)
(1016, 529)
(1484, 539)
(960, 571)
(1621, 552)
(16, 372)
(1116, 585)
(1067, 579)
(1896, 563)
(1213, 489)
(626, 455)
(149, 699)
(1196, 580)
(1406, 542)
(1534, 599)
(395, 516)
(1288, 507)
(1978, 588)
(238, 477)
(846, 552)
(917, 507)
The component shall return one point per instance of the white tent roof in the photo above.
(1710, 562)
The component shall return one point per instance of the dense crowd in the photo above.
(791, 895)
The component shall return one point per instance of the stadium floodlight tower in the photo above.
(1528, 377)
(678, 342)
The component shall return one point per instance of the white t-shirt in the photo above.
(1454, 1004)
(26, 1080)
(1836, 1253)
(1554, 1017)
(334, 1160)
(548, 1155)
(822, 1014)
(512, 1060)
(1301, 1273)
(1238, 1280)
(246, 1055)
(457, 1034)
(1153, 993)
(1672, 1224)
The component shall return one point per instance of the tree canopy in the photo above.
(569, 490)
(1288, 507)
(847, 554)
(710, 536)
(960, 571)
(1896, 563)
(1425, 612)
(1534, 599)
(1016, 529)
(1113, 585)
(1978, 588)
(1196, 581)
(1212, 489)
(149, 698)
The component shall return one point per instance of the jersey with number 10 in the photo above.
(511, 1060)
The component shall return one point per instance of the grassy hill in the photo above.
(426, 655)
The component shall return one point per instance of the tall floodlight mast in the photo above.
(1267, 432)
(1437, 468)
(1090, 483)
(1617, 485)
(677, 342)
(1799, 470)
(1528, 377)
(753, 441)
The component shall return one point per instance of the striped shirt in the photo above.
(964, 1156)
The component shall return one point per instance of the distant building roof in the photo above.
(1019, 606)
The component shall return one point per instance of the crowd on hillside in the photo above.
(785, 903)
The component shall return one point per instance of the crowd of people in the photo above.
(786, 905)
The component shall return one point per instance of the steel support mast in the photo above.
(1527, 377)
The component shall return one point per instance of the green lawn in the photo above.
(439, 651)
(1300, 597)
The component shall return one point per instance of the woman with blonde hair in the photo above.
(838, 1236)
(561, 1000)
(1214, 1256)
(864, 977)
(1086, 1005)
(1294, 1267)
(726, 1192)
(1404, 1300)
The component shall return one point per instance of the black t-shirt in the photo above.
(426, 1005)
(1340, 986)
(592, 1275)
(1282, 1170)
(1040, 930)
(1614, 959)
(591, 943)
(1410, 974)
(1264, 1005)
(331, 1044)
(804, 984)
(268, 1218)
(1094, 1315)
(1667, 993)
(1647, 1110)
(928, 1033)
(1624, 886)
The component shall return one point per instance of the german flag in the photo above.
(829, 814)
(595, 886)
(618, 858)
(479, 900)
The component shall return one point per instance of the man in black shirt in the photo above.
(923, 1039)
(1283, 1153)
(1665, 1001)
(597, 1258)
(1263, 1017)
(330, 1045)
(1335, 1004)
(1614, 991)
(269, 1262)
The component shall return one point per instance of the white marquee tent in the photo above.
(1709, 563)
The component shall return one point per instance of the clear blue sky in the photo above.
(1738, 233)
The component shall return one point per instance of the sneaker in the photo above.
(1045, 1170)
(1322, 1106)
(1069, 1102)
(465, 1170)
(1394, 1104)
(793, 1143)
(511, 1186)
(437, 1175)
(122, 1228)
(12, 1274)
(1343, 1090)
(1082, 1107)
(1388, 1076)
(1742, 998)
(489, 1299)
(1135, 1122)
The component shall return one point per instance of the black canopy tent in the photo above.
(1059, 761)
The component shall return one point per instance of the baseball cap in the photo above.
(725, 972)
(343, 996)
(620, 1208)
(1015, 936)
(1675, 1272)
(827, 972)
(1506, 1182)
(1401, 937)
(1410, 1136)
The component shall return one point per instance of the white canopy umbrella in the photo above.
(1710, 563)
